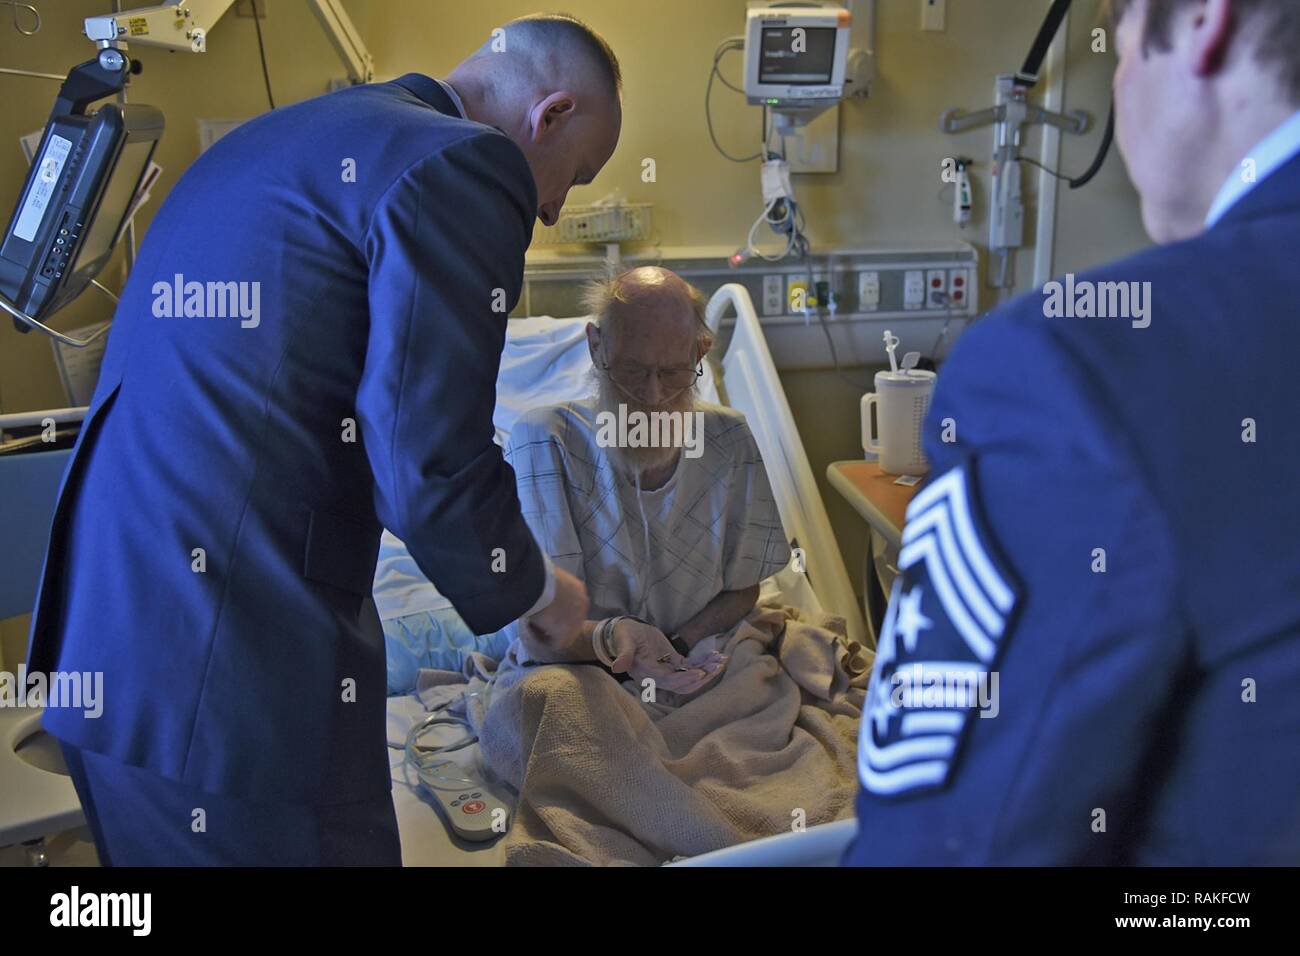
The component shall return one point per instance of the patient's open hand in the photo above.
(643, 651)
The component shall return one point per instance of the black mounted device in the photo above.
(78, 193)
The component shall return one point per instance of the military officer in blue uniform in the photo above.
(1093, 649)
(214, 546)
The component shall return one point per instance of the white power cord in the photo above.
(425, 759)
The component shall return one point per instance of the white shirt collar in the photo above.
(455, 97)
(1269, 153)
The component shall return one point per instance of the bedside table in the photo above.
(883, 506)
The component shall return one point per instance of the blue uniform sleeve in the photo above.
(446, 252)
(1026, 674)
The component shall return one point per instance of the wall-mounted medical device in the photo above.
(1010, 115)
(799, 62)
(78, 193)
(795, 56)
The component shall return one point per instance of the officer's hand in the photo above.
(642, 650)
(559, 624)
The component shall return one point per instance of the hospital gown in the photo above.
(712, 527)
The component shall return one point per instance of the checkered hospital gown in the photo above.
(712, 527)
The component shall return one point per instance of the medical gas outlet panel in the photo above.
(926, 297)
(865, 290)
(925, 294)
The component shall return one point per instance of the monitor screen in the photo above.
(116, 200)
(77, 199)
(780, 63)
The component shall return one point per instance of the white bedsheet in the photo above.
(426, 841)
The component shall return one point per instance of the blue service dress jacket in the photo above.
(1110, 544)
(306, 350)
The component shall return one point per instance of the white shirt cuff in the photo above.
(548, 590)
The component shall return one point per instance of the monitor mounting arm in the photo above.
(185, 24)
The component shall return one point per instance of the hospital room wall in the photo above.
(887, 189)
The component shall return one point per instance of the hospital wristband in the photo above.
(601, 640)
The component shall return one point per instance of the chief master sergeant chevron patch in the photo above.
(948, 613)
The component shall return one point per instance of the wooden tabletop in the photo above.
(873, 495)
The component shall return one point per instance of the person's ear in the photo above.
(705, 343)
(593, 341)
(548, 115)
(1212, 28)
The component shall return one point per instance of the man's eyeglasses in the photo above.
(630, 375)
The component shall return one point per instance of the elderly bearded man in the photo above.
(670, 537)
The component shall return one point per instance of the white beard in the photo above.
(638, 461)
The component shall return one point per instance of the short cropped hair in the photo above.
(556, 29)
(1278, 23)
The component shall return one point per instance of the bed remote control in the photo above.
(471, 811)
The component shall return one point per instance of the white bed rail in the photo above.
(822, 845)
(27, 419)
(753, 387)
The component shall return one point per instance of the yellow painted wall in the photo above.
(887, 189)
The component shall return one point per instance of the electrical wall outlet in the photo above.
(868, 291)
(913, 289)
(773, 295)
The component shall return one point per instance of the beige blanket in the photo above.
(608, 778)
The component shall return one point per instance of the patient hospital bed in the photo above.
(545, 362)
(744, 377)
